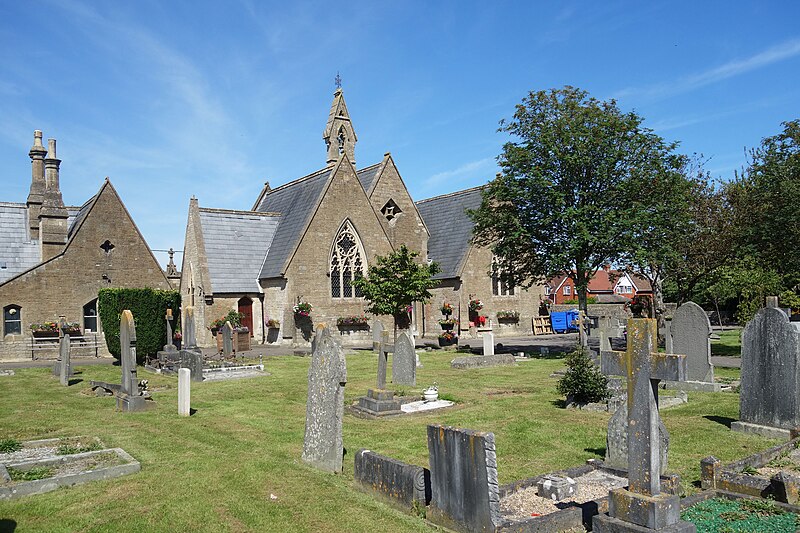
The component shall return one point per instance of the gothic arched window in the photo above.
(347, 262)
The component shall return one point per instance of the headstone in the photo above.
(404, 361)
(464, 488)
(130, 397)
(691, 335)
(605, 343)
(642, 504)
(617, 441)
(327, 376)
(66, 368)
(394, 480)
(488, 343)
(227, 339)
(668, 344)
(189, 332)
(184, 391)
(769, 401)
(193, 361)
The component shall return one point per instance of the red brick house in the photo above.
(607, 285)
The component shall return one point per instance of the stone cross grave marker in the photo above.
(327, 376)
(189, 334)
(642, 503)
(379, 401)
(227, 339)
(63, 354)
(691, 335)
(404, 361)
(169, 346)
(769, 403)
(488, 343)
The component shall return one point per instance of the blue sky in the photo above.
(181, 98)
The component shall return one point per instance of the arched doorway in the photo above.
(246, 308)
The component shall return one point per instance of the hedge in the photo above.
(149, 306)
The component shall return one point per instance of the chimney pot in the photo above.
(51, 148)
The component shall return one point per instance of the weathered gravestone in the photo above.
(190, 355)
(488, 343)
(227, 339)
(404, 361)
(65, 370)
(62, 326)
(131, 395)
(169, 346)
(379, 401)
(327, 376)
(691, 336)
(464, 489)
(642, 505)
(668, 346)
(377, 334)
(617, 440)
(395, 481)
(769, 403)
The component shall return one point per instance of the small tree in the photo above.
(583, 381)
(395, 282)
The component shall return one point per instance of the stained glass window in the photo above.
(347, 262)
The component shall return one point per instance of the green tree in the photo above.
(565, 202)
(395, 282)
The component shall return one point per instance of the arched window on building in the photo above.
(502, 283)
(90, 316)
(12, 320)
(347, 262)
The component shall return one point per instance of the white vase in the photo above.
(430, 395)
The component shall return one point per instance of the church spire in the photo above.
(339, 135)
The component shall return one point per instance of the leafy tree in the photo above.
(395, 282)
(565, 202)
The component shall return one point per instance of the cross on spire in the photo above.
(337, 80)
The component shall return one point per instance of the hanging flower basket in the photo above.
(447, 309)
(303, 309)
(448, 323)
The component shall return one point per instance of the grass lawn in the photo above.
(216, 470)
(729, 343)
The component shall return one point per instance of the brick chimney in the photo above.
(53, 215)
(36, 195)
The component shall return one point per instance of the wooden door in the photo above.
(246, 308)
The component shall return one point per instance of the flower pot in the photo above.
(430, 395)
(447, 327)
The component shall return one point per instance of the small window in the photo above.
(90, 316)
(567, 290)
(390, 210)
(547, 290)
(12, 320)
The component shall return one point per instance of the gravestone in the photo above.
(379, 401)
(769, 402)
(605, 342)
(488, 343)
(642, 505)
(184, 392)
(377, 334)
(169, 346)
(327, 376)
(464, 488)
(668, 346)
(691, 335)
(404, 361)
(617, 440)
(190, 355)
(189, 331)
(227, 339)
(63, 354)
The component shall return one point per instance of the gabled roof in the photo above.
(295, 202)
(450, 228)
(236, 243)
(17, 252)
(604, 281)
(77, 214)
(367, 176)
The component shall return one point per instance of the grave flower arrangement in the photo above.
(475, 305)
(510, 316)
(303, 309)
(447, 309)
(352, 321)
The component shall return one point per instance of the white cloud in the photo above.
(731, 69)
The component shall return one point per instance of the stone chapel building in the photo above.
(55, 258)
(306, 240)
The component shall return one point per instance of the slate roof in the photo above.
(295, 201)
(450, 228)
(367, 176)
(76, 215)
(236, 243)
(17, 252)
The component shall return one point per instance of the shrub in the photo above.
(149, 306)
(10, 445)
(583, 382)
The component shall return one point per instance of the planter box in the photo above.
(44, 334)
(241, 341)
(353, 326)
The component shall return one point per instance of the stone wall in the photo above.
(67, 282)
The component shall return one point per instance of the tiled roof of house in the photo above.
(17, 252)
(450, 228)
(604, 281)
(295, 202)
(236, 243)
